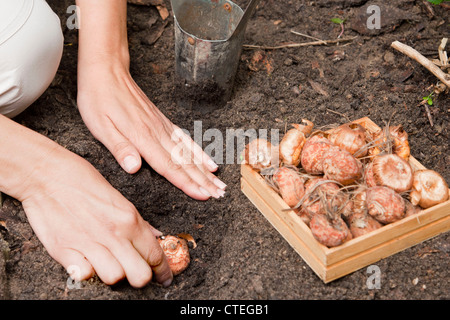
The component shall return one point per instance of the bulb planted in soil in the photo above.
(177, 253)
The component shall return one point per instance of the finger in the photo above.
(136, 268)
(161, 161)
(76, 264)
(151, 251)
(105, 264)
(200, 157)
(203, 160)
(155, 231)
(121, 148)
(183, 154)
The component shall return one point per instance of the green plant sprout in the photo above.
(341, 23)
(429, 99)
(437, 2)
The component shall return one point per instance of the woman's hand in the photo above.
(121, 116)
(84, 223)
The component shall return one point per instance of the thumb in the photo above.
(123, 151)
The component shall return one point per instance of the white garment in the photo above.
(31, 45)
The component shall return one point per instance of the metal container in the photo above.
(207, 50)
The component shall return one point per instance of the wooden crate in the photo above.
(333, 263)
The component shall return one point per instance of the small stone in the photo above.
(389, 57)
(288, 62)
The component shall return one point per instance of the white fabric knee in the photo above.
(31, 45)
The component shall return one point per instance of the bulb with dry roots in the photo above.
(369, 179)
(350, 137)
(429, 189)
(391, 139)
(292, 143)
(411, 209)
(390, 170)
(362, 223)
(330, 232)
(401, 144)
(261, 154)
(384, 204)
(177, 252)
(290, 185)
(341, 166)
(321, 195)
(312, 153)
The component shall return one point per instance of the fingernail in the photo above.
(167, 283)
(130, 163)
(203, 191)
(219, 183)
(221, 193)
(212, 164)
(156, 232)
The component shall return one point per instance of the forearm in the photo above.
(22, 155)
(103, 33)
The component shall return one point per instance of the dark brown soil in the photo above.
(239, 255)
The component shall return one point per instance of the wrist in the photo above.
(23, 155)
(103, 39)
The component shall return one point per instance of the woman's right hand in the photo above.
(84, 223)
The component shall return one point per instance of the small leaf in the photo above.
(337, 20)
(430, 101)
(435, 2)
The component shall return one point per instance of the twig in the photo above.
(307, 36)
(430, 119)
(443, 54)
(338, 113)
(296, 45)
(429, 8)
(414, 54)
(429, 114)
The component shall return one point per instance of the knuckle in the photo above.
(142, 280)
(172, 165)
(155, 257)
(129, 219)
(121, 148)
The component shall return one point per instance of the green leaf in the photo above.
(430, 101)
(435, 2)
(337, 20)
